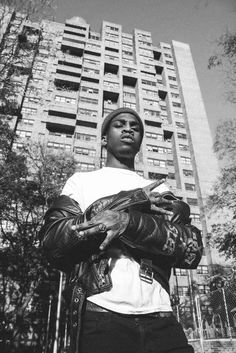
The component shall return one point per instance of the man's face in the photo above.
(124, 136)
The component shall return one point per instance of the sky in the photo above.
(196, 22)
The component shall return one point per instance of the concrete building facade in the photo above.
(77, 76)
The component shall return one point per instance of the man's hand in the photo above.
(158, 204)
(113, 223)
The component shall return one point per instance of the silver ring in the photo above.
(102, 228)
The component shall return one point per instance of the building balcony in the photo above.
(93, 49)
(111, 58)
(90, 76)
(68, 70)
(110, 105)
(126, 71)
(60, 124)
(71, 59)
(67, 80)
(157, 170)
(111, 86)
(74, 38)
(77, 32)
(86, 120)
(65, 92)
(64, 108)
(111, 77)
(154, 122)
(129, 89)
(77, 48)
(162, 92)
(167, 130)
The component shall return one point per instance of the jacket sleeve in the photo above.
(61, 244)
(181, 243)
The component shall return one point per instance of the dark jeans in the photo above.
(117, 333)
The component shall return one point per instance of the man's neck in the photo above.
(115, 163)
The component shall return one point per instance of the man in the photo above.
(112, 231)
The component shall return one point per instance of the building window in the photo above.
(170, 162)
(90, 61)
(180, 124)
(172, 78)
(27, 110)
(169, 62)
(150, 102)
(188, 173)
(57, 145)
(174, 95)
(192, 202)
(23, 133)
(58, 134)
(63, 99)
(151, 135)
(190, 187)
(203, 289)
(183, 291)
(85, 166)
(129, 105)
(153, 148)
(175, 104)
(27, 121)
(202, 270)
(148, 83)
(85, 151)
(149, 112)
(87, 112)
(111, 28)
(195, 217)
(31, 100)
(90, 90)
(178, 115)
(171, 176)
(88, 100)
(180, 272)
(156, 162)
(85, 137)
(183, 147)
(185, 160)
(126, 52)
(111, 84)
(181, 136)
(17, 145)
(128, 95)
(90, 71)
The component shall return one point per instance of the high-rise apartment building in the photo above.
(74, 77)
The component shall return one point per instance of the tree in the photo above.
(225, 57)
(29, 181)
(19, 43)
(222, 201)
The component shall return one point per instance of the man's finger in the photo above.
(84, 233)
(161, 210)
(152, 186)
(107, 240)
(84, 225)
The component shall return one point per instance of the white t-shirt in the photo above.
(129, 294)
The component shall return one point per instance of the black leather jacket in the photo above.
(147, 236)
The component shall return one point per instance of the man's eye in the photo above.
(117, 124)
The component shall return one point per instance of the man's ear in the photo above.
(104, 141)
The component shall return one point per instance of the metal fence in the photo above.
(209, 316)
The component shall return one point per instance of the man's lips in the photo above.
(127, 138)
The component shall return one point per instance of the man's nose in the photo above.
(128, 127)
